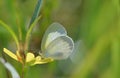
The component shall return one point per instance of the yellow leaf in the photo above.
(11, 54)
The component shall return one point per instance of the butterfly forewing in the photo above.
(54, 30)
(60, 48)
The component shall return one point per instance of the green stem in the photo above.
(28, 35)
(19, 28)
(11, 32)
(23, 71)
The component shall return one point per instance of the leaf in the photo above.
(36, 11)
(11, 54)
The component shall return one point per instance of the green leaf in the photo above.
(36, 11)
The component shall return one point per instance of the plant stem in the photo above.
(28, 35)
(11, 32)
(23, 71)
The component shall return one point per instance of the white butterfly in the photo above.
(56, 43)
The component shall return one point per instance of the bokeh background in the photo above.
(94, 25)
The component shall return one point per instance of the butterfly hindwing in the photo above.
(60, 48)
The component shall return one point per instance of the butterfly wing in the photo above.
(54, 30)
(78, 53)
(59, 48)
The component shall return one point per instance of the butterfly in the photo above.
(56, 45)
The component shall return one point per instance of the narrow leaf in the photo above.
(36, 12)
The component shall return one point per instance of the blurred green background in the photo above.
(94, 26)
